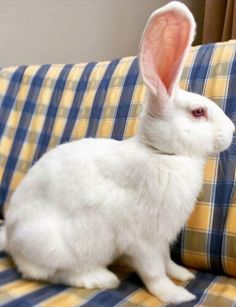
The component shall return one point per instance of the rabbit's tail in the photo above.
(3, 239)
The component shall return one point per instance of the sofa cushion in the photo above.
(209, 239)
(210, 289)
(43, 106)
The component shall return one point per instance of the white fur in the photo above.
(88, 202)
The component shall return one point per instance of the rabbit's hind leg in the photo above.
(98, 278)
(33, 271)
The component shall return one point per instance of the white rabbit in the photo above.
(88, 202)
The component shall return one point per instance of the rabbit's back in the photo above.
(61, 174)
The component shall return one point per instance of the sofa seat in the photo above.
(210, 289)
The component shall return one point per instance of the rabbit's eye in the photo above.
(199, 112)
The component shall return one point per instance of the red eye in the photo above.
(199, 112)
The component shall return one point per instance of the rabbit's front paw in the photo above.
(178, 272)
(177, 295)
(168, 292)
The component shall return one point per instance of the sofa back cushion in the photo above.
(43, 106)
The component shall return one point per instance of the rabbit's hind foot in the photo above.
(100, 278)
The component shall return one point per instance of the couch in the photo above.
(42, 106)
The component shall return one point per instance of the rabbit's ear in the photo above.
(165, 42)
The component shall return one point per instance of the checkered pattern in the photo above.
(43, 106)
(209, 238)
(211, 290)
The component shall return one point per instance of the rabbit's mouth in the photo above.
(223, 141)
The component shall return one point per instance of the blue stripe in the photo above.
(3, 254)
(200, 69)
(21, 131)
(50, 117)
(78, 98)
(10, 97)
(8, 275)
(110, 298)
(99, 99)
(36, 297)
(125, 101)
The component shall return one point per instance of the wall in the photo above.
(57, 31)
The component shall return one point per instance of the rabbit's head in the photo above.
(175, 121)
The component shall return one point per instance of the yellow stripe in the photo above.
(21, 287)
(5, 264)
(224, 286)
(143, 298)
(65, 299)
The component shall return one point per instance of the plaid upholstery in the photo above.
(211, 290)
(209, 238)
(42, 106)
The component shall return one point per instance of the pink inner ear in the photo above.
(163, 48)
